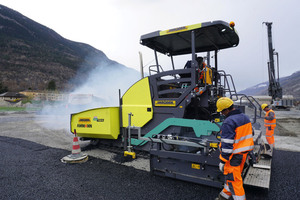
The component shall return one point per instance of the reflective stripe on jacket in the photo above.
(236, 135)
(270, 114)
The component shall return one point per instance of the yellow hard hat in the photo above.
(263, 106)
(223, 103)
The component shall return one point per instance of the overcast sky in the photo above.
(115, 27)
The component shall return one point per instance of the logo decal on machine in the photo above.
(84, 120)
(195, 166)
(165, 103)
(84, 123)
(84, 126)
(175, 30)
(96, 119)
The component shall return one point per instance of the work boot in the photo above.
(220, 197)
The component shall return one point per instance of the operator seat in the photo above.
(187, 65)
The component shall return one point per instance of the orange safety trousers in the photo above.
(270, 126)
(233, 178)
(270, 135)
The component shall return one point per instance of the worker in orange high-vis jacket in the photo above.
(236, 142)
(270, 124)
(205, 72)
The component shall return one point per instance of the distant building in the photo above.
(12, 97)
(268, 99)
(46, 95)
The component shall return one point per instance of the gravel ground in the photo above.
(30, 168)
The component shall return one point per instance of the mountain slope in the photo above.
(31, 55)
(290, 86)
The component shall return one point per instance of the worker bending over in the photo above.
(236, 142)
(270, 124)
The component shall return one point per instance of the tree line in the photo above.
(51, 86)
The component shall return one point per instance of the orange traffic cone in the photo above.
(77, 156)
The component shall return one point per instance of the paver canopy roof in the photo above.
(209, 36)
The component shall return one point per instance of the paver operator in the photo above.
(205, 72)
(236, 142)
(270, 124)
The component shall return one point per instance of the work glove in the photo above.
(221, 166)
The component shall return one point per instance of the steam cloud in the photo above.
(100, 89)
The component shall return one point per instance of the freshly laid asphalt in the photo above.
(32, 171)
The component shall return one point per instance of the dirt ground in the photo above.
(287, 131)
(288, 127)
(53, 131)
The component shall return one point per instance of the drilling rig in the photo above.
(274, 89)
